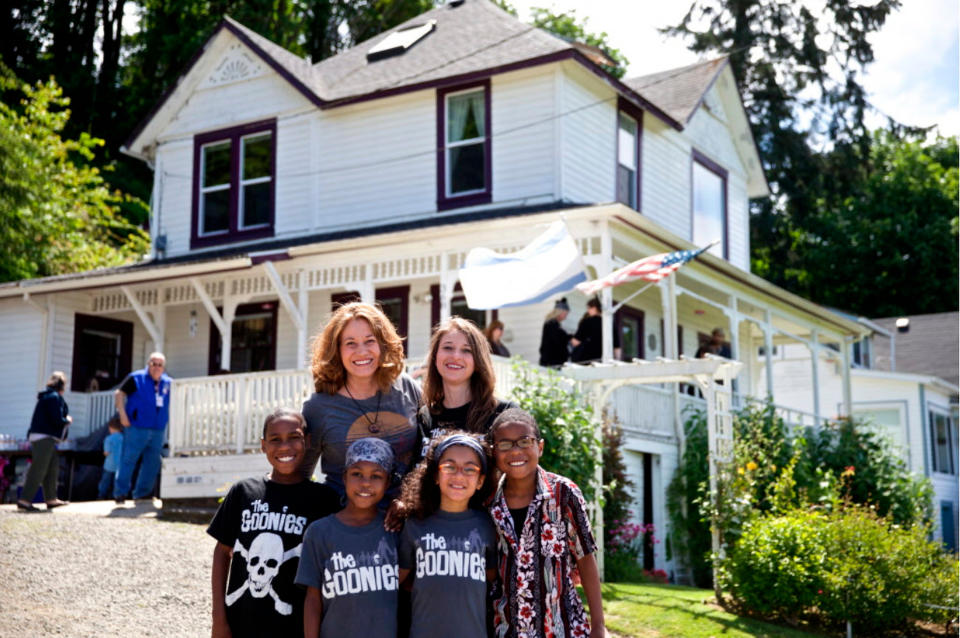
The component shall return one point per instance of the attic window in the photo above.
(398, 42)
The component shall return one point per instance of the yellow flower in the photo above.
(751, 465)
(739, 470)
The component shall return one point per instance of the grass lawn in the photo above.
(642, 610)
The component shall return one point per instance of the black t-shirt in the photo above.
(436, 425)
(590, 335)
(264, 523)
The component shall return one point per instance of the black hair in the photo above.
(284, 413)
(421, 494)
(514, 415)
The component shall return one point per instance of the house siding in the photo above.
(666, 177)
(20, 367)
(588, 112)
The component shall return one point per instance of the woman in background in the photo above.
(48, 427)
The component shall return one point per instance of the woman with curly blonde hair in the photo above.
(361, 391)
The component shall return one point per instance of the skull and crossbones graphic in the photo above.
(264, 559)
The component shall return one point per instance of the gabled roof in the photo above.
(931, 345)
(472, 39)
(679, 91)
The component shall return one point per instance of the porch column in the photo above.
(153, 326)
(226, 335)
(448, 281)
(606, 295)
(814, 347)
(768, 351)
(215, 317)
(734, 330)
(297, 315)
(845, 344)
(44, 337)
(303, 301)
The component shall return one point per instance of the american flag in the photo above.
(653, 268)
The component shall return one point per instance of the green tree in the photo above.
(56, 214)
(889, 246)
(799, 73)
(568, 27)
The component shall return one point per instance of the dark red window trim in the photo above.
(699, 158)
(403, 292)
(471, 199)
(631, 110)
(234, 233)
(632, 313)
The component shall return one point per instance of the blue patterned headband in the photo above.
(466, 441)
(373, 450)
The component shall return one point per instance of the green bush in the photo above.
(837, 566)
(570, 447)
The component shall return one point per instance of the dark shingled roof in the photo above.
(931, 346)
(470, 37)
(678, 91)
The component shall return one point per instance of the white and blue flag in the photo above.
(549, 265)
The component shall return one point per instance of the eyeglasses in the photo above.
(156, 364)
(452, 468)
(524, 442)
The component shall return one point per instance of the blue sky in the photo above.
(914, 78)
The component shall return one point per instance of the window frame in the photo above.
(402, 293)
(241, 311)
(934, 411)
(699, 158)
(624, 107)
(123, 329)
(458, 295)
(471, 198)
(236, 135)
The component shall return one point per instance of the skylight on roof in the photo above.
(399, 41)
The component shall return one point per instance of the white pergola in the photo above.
(713, 375)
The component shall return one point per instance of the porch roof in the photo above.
(624, 222)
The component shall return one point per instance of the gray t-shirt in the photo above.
(355, 569)
(335, 421)
(449, 555)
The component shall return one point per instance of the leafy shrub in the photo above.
(837, 566)
(616, 484)
(623, 552)
(570, 447)
(775, 470)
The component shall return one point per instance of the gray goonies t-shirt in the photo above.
(355, 569)
(448, 555)
(335, 421)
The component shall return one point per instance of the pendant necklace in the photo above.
(372, 425)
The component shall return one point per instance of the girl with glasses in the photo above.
(448, 546)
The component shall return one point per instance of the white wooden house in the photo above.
(904, 381)
(281, 185)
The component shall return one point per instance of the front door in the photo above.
(102, 353)
(253, 340)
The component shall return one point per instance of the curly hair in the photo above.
(284, 413)
(329, 375)
(482, 381)
(420, 493)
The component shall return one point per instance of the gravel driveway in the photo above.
(69, 574)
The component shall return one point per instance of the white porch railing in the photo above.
(89, 410)
(225, 413)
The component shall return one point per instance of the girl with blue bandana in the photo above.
(448, 546)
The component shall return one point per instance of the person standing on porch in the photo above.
(554, 340)
(48, 426)
(361, 392)
(143, 405)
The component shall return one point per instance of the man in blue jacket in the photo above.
(143, 403)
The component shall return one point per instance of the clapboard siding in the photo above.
(588, 112)
(522, 104)
(21, 365)
(665, 191)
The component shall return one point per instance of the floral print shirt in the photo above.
(536, 566)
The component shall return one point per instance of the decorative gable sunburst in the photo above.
(236, 65)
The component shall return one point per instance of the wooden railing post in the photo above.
(241, 413)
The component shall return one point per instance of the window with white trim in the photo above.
(466, 145)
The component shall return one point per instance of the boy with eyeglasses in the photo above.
(544, 535)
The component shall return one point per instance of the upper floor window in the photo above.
(463, 136)
(942, 442)
(628, 154)
(234, 184)
(709, 204)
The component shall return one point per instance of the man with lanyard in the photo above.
(143, 403)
